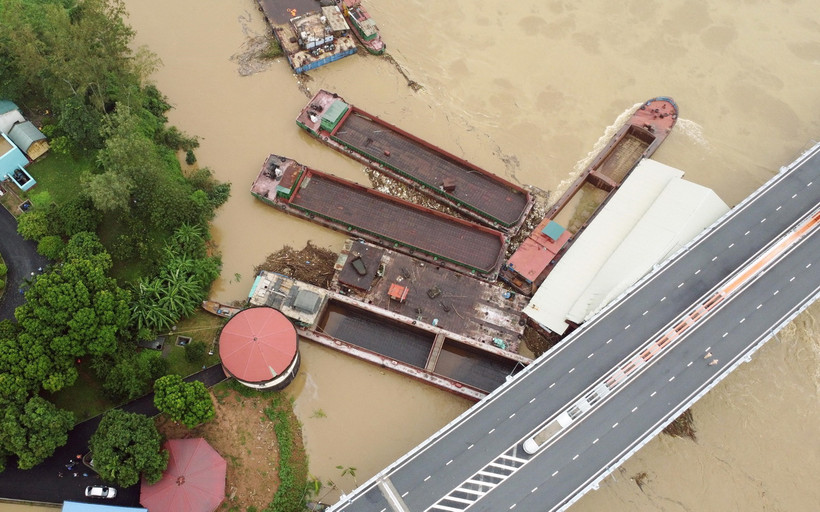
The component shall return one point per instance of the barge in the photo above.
(639, 138)
(418, 349)
(362, 26)
(379, 218)
(309, 33)
(471, 191)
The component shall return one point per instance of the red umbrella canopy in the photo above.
(193, 482)
(257, 344)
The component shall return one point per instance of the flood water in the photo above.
(530, 91)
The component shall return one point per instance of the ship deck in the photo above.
(394, 220)
(424, 164)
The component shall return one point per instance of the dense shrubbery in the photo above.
(137, 217)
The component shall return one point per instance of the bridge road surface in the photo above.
(670, 383)
(509, 414)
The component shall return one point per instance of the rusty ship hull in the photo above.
(380, 218)
(468, 189)
(639, 138)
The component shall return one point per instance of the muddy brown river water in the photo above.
(528, 90)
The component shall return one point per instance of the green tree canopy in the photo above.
(126, 445)
(71, 310)
(34, 431)
(186, 402)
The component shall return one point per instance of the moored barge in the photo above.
(450, 180)
(391, 340)
(639, 138)
(380, 218)
(309, 33)
(362, 25)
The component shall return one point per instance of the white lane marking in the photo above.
(794, 196)
(725, 334)
(573, 369)
(776, 292)
(663, 299)
(742, 320)
(680, 285)
(746, 233)
(627, 327)
(778, 208)
(590, 355)
(470, 446)
(759, 306)
(551, 385)
(449, 462)
(645, 312)
(534, 489)
(713, 259)
(576, 456)
(491, 431)
(731, 245)
(610, 339)
(690, 364)
(698, 272)
(809, 183)
(671, 378)
(596, 440)
(428, 477)
(792, 279)
(653, 393)
(405, 494)
(554, 473)
(533, 400)
(512, 415)
(634, 409)
(763, 220)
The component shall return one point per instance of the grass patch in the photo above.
(293, 471)
(200, 326)
(85, 398)
(60, 175)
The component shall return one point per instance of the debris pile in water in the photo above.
(311, 264)
(683, 426)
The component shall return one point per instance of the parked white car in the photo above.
(100, 491)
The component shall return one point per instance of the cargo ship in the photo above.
(471, 191)
(310, 34)
(363, 26)
(639, 138)
(380, 218)
(414, 347)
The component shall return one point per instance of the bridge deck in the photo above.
(559, 474)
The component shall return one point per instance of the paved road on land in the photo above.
(43, 483)
(511, 414)
(22, 260)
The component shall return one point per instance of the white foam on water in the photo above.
(691, 130)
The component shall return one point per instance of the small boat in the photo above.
(362, 25)
(211, 306)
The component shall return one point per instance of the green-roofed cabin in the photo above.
(553, 230)
(333, 115)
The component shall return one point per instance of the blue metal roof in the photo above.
(7, 106)
(553, 230)
(73, 506)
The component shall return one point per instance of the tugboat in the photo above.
(364, 27)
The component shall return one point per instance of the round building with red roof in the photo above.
(259, 348)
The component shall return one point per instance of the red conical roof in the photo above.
(257, 344)
(193, 482)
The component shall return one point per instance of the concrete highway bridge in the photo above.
(558, 428)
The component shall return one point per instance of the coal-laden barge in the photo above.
(639, 138)
(379, 218)
(468, 189)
